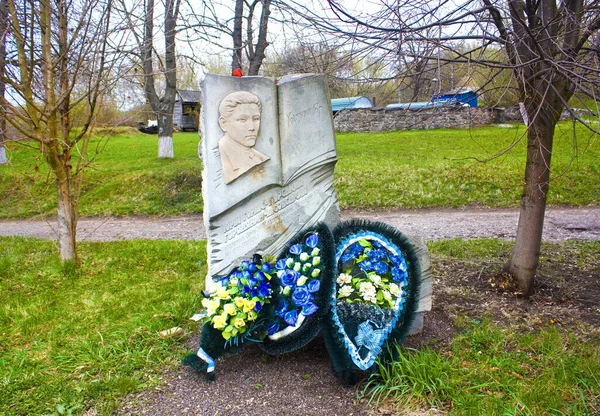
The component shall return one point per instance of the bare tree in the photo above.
(61, 60)
(3, 32)
(244, 21)
(140, 22)
(548, 46)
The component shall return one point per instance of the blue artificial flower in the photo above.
(246, 275)
(376, 244)
(312, 240)
(380, 267)
(398, 274)
(356, 249)
(264, 289)
(365, 265)
(258, 307)
(291, 317)
(266, 267)
(254, 293)
(296, 249)
(313, 286)
(281, 308)
(290, 277)
(272, 328)
(377, 255)
(224, 281)
(236, 274)
(246, 290)
(347, 256)
(252, 281)
(252, 268)
(301, 296)
(280, 265)
(245, 265)
(396, 260)
(309, 309)
(260, 276)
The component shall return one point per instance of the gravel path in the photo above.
(561, 224)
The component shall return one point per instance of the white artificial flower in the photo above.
(394, 289)
(344, 279)
(366, 287)
(370, 297)
(376, 279)
(345, 291)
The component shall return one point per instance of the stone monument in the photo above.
(269, 153)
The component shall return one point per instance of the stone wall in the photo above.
(371, 120)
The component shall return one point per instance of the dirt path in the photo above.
(561, 224)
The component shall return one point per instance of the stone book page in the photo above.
(222, 196)
(260, 189)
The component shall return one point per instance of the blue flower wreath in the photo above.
(302, 285)
(298, 274)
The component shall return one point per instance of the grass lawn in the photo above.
(413, 169)
(79, 339)
(443, 168)
(73, 339)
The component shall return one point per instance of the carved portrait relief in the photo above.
(239, 118)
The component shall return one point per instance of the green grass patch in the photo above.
(80, 338)
(126, 177)
(444, 168)
(490, 370)
(406, 169)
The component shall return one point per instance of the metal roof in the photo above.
(338, 104)
(189, 96)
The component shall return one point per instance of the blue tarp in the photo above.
(463, 95)
(338, 104)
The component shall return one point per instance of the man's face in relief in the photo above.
(242, 124)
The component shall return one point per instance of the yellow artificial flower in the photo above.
(211, 305)
(239, 302)
(229, 309)
(222, 292)
(239, 323)
(249, 305)
(220, 321)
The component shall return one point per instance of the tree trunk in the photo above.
(236, 61)
(525, 255)
(67, 224)
(3, 31)
(165, 135)
(258, 54)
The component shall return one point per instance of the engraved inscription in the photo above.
(294, 118)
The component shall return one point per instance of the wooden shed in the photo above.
(187, 110)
